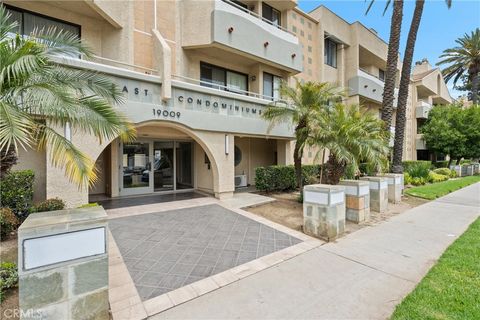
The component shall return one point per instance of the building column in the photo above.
(284, 152)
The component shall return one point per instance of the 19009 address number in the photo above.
(166, 113)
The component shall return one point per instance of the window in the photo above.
(381, 74)
(294, 29)
(271, 14)
(302, 21)
(271, 86)
(309, 37)
(302, 33)
(330, 53)
(294, 16)
(309, 48)
(309, 60)
(240, 4)
(223, 79)
(29, 21)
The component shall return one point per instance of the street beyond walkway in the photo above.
(362, 276)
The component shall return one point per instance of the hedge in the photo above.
(282, 178)
(16, 192)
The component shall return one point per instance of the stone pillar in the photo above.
(357, 195)
(63, 265)
(457, 169)
(469, 170)
(476, 168)
(395, 186)
(378, 193)
(324, 211)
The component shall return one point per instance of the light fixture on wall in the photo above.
(266, 44)
(230, 30)
(253, 78)
(227, 144)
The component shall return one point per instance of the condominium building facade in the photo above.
(197, 76)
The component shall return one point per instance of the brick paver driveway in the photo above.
(167, 250)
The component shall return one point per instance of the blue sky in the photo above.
(439, 28)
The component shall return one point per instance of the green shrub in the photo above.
(88, 205)
(49, 205)
(436, 177)
(466, 161)
(350, 172)
(282, 178)
(418, 181)
(8, 222)
(445, 171)
(417, 169)
(16, 192)
(453, 174)
(8, 277)
(407, 179)
(440, 164)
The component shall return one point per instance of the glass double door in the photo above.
(156, 166)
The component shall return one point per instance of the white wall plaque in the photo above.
(316, 197)
(48, 250)
(337, 197)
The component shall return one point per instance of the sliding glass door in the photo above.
(156, 166)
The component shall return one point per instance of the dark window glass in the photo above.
(271, 14)
(330, 54)
(243, 5)
(271, 86)
(223, 79)
(381, 74)
(29, 22)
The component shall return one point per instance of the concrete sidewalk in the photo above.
(361, 276)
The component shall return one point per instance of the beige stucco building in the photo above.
(197, 75)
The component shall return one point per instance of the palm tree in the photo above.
(392, 60)
(464, 60)
(304, 102)
(351, 136)
(401, 118)
(38, 97)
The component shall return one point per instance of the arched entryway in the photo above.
(164, 158)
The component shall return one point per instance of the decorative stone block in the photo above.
(357, 195)
(469, 169)
(324, 211)
(476, 168)
(457, 169)
(378, 193)
(63, 265)
(395, 186)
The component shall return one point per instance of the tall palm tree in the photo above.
(401, 118)
(351, 136)
(464, 60)
(392, 60)
(304, 102)
(38, 97)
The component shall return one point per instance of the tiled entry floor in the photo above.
(167, 250)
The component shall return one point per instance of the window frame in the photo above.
(380, 72)
(272, 9)
(23, 11)
(327, 50)
(225, 71)
(272, 86)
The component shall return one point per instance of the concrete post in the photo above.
(357, 195)
(395, 186)
(457, 169)
(469, 170)
(476, 168)
(378, 193)
(324, 211)
(63, 265)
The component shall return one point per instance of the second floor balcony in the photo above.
(368, 86)
(225, 25)
(422, 109)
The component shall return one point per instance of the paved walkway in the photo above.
(362, 276)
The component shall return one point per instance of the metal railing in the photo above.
(256, 15)
(116, 63)
(371, 74)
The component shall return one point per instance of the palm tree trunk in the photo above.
(404, 86)
(392, 60)
(297, 161)
(8, 158)
(475, 83)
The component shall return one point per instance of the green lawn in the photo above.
(435, 190)
(451, 289)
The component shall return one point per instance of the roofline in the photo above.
(349, 23)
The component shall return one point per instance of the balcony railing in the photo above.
(124, 65)
(372, 75)
(219, 87)
(256, 15)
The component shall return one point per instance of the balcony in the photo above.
(368, 86)
(420, 143)
(225, 25)
(422, 109)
